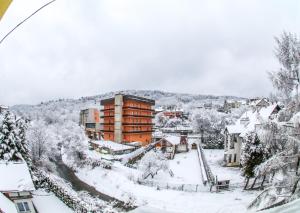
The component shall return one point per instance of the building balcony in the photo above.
(107, 131)
(138, 108)
(138, 124)
(138, 131)
(142, 116)
(109, 109)
(107, 116)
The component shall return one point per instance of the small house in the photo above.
(173, 144)
(248, 122)
(16, 186)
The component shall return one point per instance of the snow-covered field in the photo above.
(185, 168)
(118, 183)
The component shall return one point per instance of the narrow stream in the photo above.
(78, 185)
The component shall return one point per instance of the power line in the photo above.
(45, 5)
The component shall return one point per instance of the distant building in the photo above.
(207, 105)
(90, 120)
(128, 118)
(259, 102)
(174, 113)
(235, 134)
(3, 108)
(16, 187)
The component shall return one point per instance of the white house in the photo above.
(16, 186)
(235, 134)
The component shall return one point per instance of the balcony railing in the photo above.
(138, 108)
(136, 124)
(144, 116)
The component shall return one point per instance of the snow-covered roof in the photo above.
(7, 205)
(248, 121)
(235, 129)
(16, 177)
(112, 145)
(174, 140)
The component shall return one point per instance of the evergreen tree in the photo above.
(9, 148)
(253, 154)
(22, 142)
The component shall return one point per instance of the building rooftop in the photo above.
(7, 205)
(17, 177)
(129, 97)
(174, 140)
(112, 145)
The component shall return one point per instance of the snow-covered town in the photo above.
(76, 138)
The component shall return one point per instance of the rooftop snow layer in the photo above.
(174, 140)
(248, 121)
(15, 177)
(6, 205)
(112, 145)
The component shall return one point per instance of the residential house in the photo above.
(173, 144)
(16, 185)
(90, 120)
(235, 134)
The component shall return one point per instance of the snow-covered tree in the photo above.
(10, 149)
(38, 143)
(22, 144)
(286, 79)
(152, 162)
(253, 154)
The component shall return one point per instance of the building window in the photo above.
(234, 158)
(229, 159)
(23, 207)
(90, 125)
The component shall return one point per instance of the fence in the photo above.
(173, 186)
(209, 174)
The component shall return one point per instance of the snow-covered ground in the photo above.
(48, 203)
(185, 168)
(214, 158)
(118, 183)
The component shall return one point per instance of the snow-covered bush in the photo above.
(151, 163)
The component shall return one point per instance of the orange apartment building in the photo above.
(127, 118)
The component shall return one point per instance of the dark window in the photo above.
(229, 160)
(23, 206)
(90, 125)
(234, 158)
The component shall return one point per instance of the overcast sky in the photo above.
(78, 48)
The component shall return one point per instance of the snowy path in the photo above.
(186, 168)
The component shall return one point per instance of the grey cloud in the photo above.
(76, 48)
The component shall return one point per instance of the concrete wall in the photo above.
(118, 136)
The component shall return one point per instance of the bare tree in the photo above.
(286, 79)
